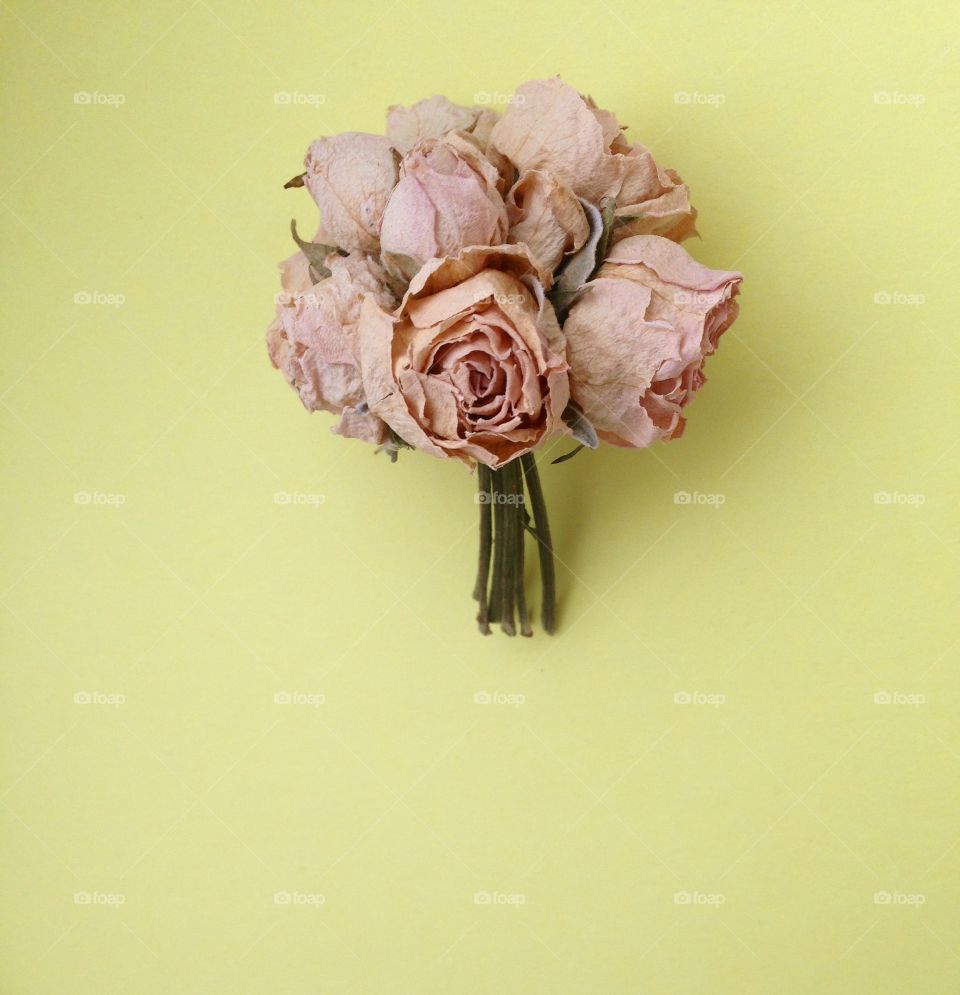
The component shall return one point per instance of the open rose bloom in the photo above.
(482, 286)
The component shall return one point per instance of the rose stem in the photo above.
(548, 577)
(496, 584)
(508, 588)
(486, 536)
(520, 524)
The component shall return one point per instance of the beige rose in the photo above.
(638, 337)
(350, 176)
(651, 200)
(434, 117)
(312, 341)
(546, 216)
(471, 365)
(550, 126)
(445, 200)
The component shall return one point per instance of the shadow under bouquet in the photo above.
(481, 285)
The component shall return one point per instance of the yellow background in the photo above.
(586, 797)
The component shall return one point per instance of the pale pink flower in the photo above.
(312, 341)
(546, 215)
(471, 365)
(350, 177)
(445, 200)
(638, 337)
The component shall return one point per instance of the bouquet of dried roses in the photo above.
(480, 284)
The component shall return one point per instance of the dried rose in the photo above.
(651, 200)
(546, 215)
(471, 365)
(312, 341)
(638, 337)
(445, 200)
(350, 177)
(550, 126)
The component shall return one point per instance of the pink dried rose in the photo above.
(638, 337)
(651, 200)
(434, 117)
(312, 341)
(550, 126)
(471, 365)
(546, 215)
(446, 199)
(350, 176)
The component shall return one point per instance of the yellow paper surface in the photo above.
(252, 742)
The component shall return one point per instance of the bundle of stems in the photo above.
(504, 496)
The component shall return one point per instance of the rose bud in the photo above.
(651, 200)
(638, 337)
(446, 199)
(350, 177)
(313, 338)
(547, 217)
(471, 365)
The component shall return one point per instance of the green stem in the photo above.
(548, 614)
(486, 541)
